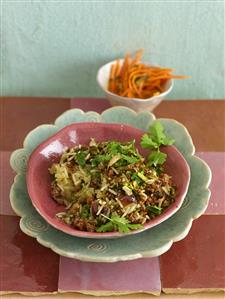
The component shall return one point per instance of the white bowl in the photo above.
(136, 104)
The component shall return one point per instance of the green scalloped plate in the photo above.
(150, 243)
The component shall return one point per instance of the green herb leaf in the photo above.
(147, 142)
(120, 224)
(85, 211)
(159, 169)
(127, 151)
(114, 147)
(130, 149)
(130, 159)
(100, 158)
(123, 224)
(119, 220)
(158, 135)
(157, 132)
(133, 226)
(154, 140)
(168, 141)
(154, 209)
(80, 158)
(156, 158)
(108, 227)
(136, 178)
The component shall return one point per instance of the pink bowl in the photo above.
(48, 152)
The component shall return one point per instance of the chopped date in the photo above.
(94, 208)
(126, 200)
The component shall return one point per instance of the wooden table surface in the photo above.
(204, 119)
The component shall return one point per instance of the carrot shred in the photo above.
(136, 79)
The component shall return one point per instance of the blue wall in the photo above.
(54, 48)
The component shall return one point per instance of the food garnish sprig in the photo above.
(153, 140)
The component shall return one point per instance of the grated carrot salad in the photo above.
(134, 79)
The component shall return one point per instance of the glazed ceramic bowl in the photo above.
(136, 104)
(49, 152)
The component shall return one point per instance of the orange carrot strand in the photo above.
(135, 79)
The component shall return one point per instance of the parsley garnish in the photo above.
(85, 211)
(128, 153)
(156, 158)
(154, 209)
(136, 178)
(80, 158)
(130, 160)
(100, 159)
(153, 140)
(117, 223)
